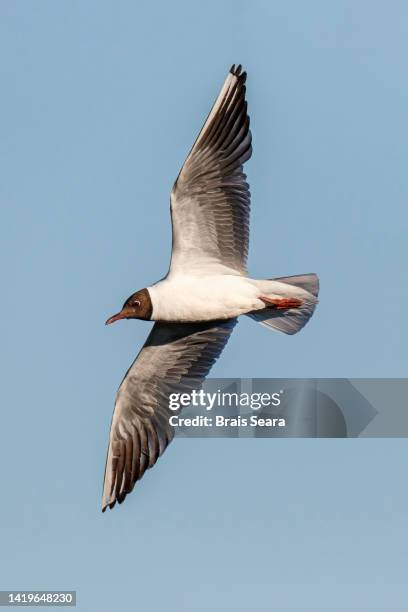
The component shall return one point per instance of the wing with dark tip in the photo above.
(176, 358)
(210, 200)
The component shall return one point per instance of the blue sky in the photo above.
(101, 102)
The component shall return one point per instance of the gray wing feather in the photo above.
(210, 200)
(175, 358)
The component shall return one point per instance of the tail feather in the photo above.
(292, 320)
(308, 282)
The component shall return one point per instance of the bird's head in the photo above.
(137, 306)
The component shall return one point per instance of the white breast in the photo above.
(187, 298)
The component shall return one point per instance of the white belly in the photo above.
(187, 298)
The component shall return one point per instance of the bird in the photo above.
(196, 305)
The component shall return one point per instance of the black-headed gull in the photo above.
(206, 288)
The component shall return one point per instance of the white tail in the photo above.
(290, 321)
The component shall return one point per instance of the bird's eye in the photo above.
(136, 303)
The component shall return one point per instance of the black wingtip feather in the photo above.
(237, 72)
(108, 505)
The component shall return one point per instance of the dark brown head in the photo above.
(137, 306)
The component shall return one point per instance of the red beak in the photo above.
(125, 313)
(117, 317)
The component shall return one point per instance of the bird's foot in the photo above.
(281, 303)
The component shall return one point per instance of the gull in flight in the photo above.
(195, 307)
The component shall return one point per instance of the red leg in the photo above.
(281, 303)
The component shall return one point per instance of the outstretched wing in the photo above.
(175, 359)
(210, 200)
